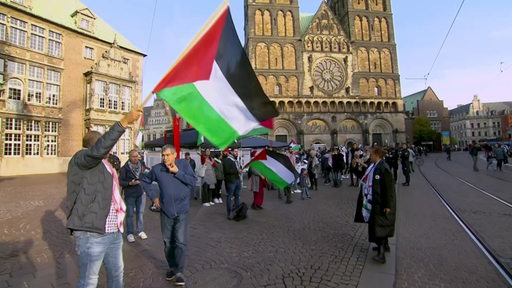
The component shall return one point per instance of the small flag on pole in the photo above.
(295, 147)
(275, 167)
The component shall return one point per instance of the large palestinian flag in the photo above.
(275, 167)
(213, 86)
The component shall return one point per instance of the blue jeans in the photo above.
(175, 234)
(304, 193)
(232, 190)
(93, 249)
(137, 203)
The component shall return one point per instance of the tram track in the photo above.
(482, 214)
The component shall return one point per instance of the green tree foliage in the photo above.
(421, 131)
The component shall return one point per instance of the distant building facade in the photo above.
(481, 122)
(62, 72)
(332, 75)
(157, 119)
(426, 104)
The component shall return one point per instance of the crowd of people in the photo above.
(106, 199)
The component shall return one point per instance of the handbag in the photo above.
(201, 171)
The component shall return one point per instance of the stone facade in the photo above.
(62, 72)
(481, 122)
(332, 75)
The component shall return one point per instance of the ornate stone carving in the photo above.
(113, 63)
(328, 75)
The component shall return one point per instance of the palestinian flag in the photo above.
(213, 86)
(274, 166)
(294, 145)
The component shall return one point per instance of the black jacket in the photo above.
(89, 185)
(126, 175)
(230, 169)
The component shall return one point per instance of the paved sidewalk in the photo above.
(309, 243)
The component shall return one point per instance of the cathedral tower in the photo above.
(333, 75)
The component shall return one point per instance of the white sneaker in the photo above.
(216, 201)
(206, 204)
(143, 235)
(220, 200)
(130, 238)
(211, 203)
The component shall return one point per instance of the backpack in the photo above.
(240, 212)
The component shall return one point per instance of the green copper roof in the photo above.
(305, 21)
(411, 101)
(62, 11)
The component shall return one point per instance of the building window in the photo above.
(99, 94)
(19, 1)
(35, 92)
(3, 27)
(18, 32)
(15, 68)
(85, 24)
(277, 89)
(125, 142)
(15, 89)
(2, 62)
(12, 137)
(37, 38)
(126, 98)
(35, 72)
(89, 52)
(113, 96)
(52, 94)
(52, 88)
(378, 91)
(51, 133)
(33, 138)
(53, 77)
(55, 44)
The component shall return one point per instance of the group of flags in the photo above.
(214, 88)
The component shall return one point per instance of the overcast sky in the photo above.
(475, 59)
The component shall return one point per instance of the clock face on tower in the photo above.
(328, 75)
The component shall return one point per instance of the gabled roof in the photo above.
(411, 101)
(307, 18)
(62, 12)
(305, 21)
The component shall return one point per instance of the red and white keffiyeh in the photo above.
(117, 201)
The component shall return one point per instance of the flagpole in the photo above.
(137, 128)
(176, 133)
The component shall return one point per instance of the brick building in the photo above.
(425, 103)
(62, 72)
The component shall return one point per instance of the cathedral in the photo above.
(333, 75)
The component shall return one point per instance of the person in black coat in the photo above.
(377, 203)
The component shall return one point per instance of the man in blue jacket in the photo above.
(95, 209)
(175, 178)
